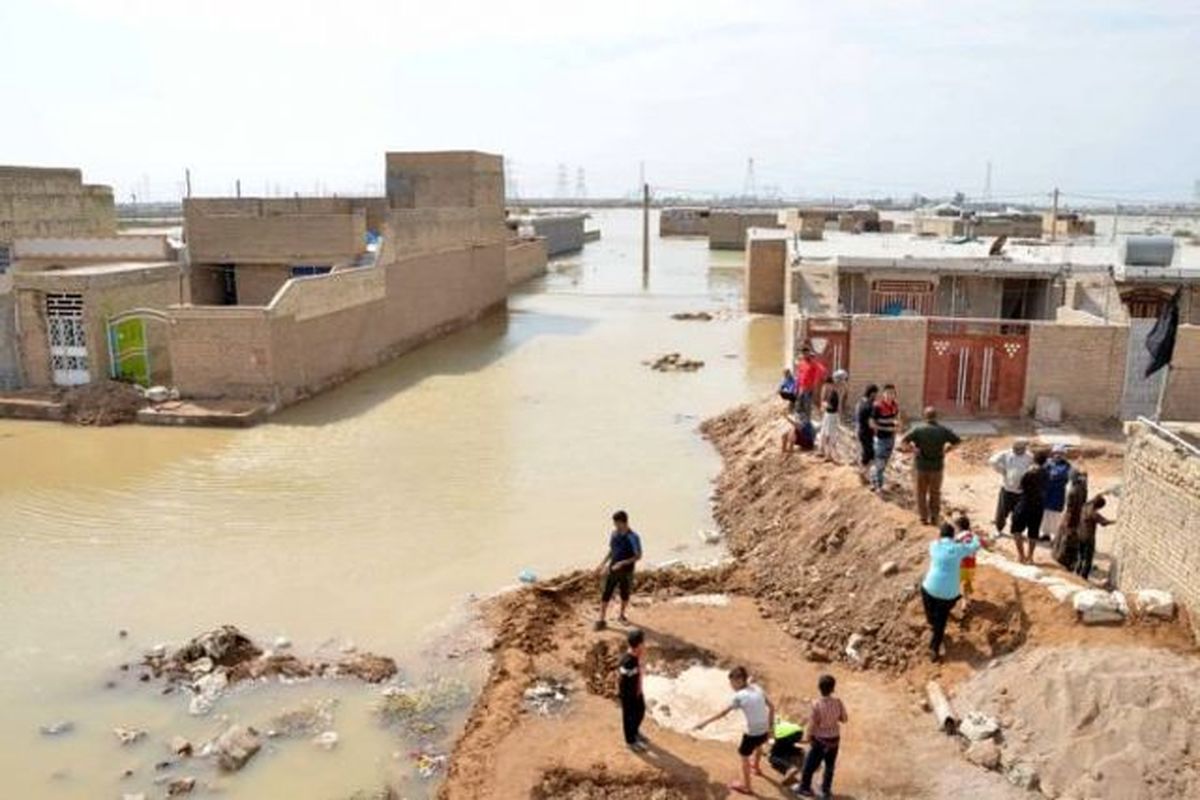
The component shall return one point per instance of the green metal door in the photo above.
(130, 356)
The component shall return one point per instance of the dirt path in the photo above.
(818, 563)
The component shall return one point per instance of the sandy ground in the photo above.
(817, 562)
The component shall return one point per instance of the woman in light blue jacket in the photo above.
(940, 589)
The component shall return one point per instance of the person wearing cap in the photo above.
(930, 440)
(810, 375)
(1058, 475)
(1012, 465)
(832, 393)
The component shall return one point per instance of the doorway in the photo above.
(970, 372)
(68, 339)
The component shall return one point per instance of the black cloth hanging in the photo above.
(1161, 339)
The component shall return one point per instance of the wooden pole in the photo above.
(1162, 393)
(1054, 217)
(645, 233)
(187, 177)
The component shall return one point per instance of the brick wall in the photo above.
(1157, 542)
(53, 202)
(464, 179)
(524, 260)
(1182, 400)
(258, 283)
(1081, 365)
(766, 264)
(309, 238)
(890, 350)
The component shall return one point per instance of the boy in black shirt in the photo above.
(629, 689)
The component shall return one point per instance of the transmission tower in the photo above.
(750, 184)
(580, 183)
(560, 188)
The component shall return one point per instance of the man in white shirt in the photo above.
(1011, 464)
(760, 721)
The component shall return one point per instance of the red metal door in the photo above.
(976, 373)
(831, 347)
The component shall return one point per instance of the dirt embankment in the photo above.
(823, 571)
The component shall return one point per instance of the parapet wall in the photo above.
(1158, 528)
(525, 259)
(238, 238)
(37, 202)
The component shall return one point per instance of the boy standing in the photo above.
(760, 719)
(885, 421)
(624, 550)
(823, 733)
(629, 690)
(966, 567)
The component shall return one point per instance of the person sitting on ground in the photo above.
(1011, 464)
(1087, 534)
(862, 426)
(885, 421)
(629, 690)
(966, 567)
(1066, 541)
(787, 387)
(940, 589)
(823, 733)
(830, 406)
(624, 551)
(797, 435)
(1058, 476)
(930, 440)
(760, 719)
(787, 755)
(810, 374)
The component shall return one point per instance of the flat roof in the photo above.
(112, 268)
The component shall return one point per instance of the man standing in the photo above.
(931, 441)
(629, 690)
(810, 374)
(624, 550)
(885, 421)
(1011, 464)
(1058, 474)
(1087, 534)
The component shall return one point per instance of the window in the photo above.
(308, 270)
(5, 259)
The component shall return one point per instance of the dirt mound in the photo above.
(1100, 722)
(598, 784)
(102, 403)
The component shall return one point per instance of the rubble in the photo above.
(1155, 603)
(128, 736)
(699, 316)
(326, 740)
(984, 753)
(547, 696)
(102, 403)
(234, 747)
(1096, 606)
(181, 746)
(674, 362)
(975, 727)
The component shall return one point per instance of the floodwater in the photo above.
(371, 515)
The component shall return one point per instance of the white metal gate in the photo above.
(1140, 396)
(68, 342)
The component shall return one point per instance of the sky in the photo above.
(869, 98)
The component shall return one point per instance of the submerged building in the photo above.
(271, 300)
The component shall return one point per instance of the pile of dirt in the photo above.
(598, 784)
(1096, 722)
(102, 403)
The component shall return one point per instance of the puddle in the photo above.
(693, 695)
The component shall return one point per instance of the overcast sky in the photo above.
(853, 98)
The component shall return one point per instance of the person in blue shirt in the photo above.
(1058, 474)
(624, 550)
(940, 589)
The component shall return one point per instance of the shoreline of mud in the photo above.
(820, 558)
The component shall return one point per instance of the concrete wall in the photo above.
(37, 202)
(1157, 542)
(430, 230)
(563, 232)
(464, 179)
(258, 283)
(766, 266)
(309, 238)
(525, 259)
(727, 229)
(1082, 365)
(103, 297)
(35, 253)
(10, 369)
(1098, 296)
(891, 350)
(683, 222)
(222, 352)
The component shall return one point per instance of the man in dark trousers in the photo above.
(629, 690)
(930, 440)
(624, 550)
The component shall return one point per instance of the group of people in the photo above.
(1044, 498)
(821, 730)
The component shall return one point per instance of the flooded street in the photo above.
(370, 515)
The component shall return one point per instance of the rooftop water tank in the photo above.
(1148, 251)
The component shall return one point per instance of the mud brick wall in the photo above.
(1182, 400)
(524, 260)
(1158, 529)
(766, 264)
(1081, 365)
(890, 350)
(37, 202)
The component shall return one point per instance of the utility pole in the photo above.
(187, 179)
(645, 235)
(1054, 216)
(238, 189)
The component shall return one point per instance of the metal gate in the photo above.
(1140, 396)
(127, 351)
(972, 372)
(68, 340)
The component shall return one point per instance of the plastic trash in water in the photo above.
(527, 576)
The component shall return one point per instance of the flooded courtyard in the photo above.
(368, 517)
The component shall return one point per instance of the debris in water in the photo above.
(57, 728)
(428, 764)
(527, 576)
(127, 736)
(547, 696)
(326, 740)
(674, 362)
(698, 316)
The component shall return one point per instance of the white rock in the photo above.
(282, 643)
(200, 705)
(1098, 606)
(128, 736)
(1155, 603)
(201, 666)
(234, 747)
(852, 645)
(326, 741)
(158, 651)
(984, 753)
(889, 568)
(158, 394)
(975, 727)
(708, 536)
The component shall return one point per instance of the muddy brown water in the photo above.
(370, 515)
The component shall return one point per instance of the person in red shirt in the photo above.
(810, 374)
